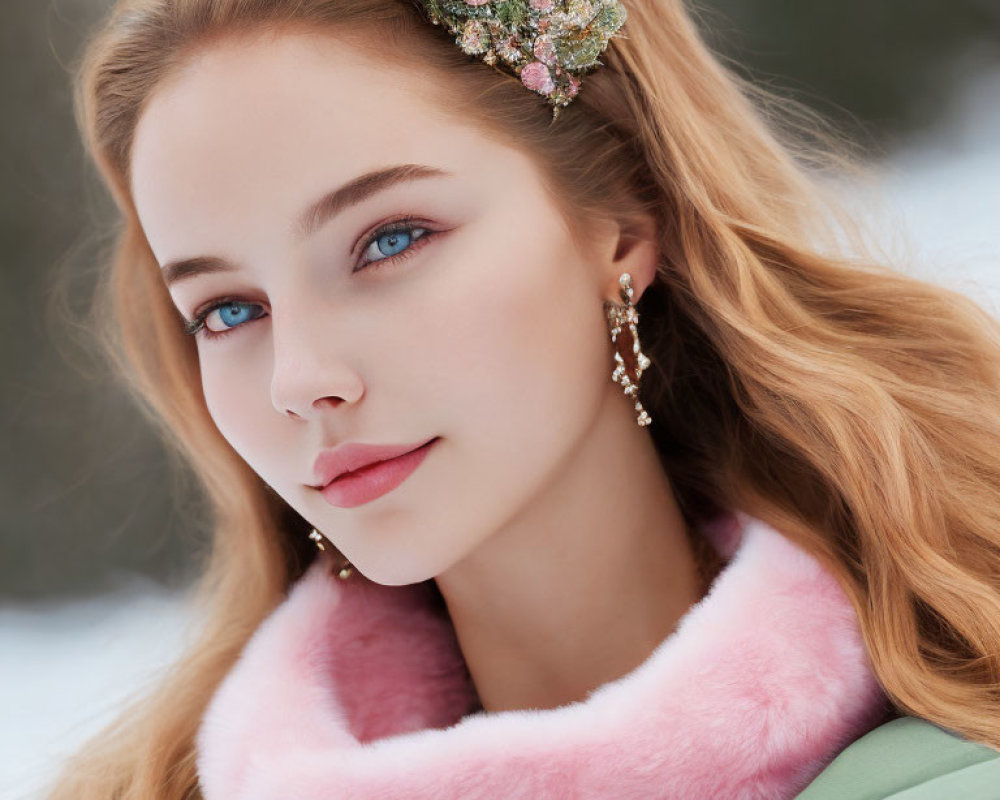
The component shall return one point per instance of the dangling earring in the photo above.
(346, 569)
(618, 315)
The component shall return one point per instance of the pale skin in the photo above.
(543, 513)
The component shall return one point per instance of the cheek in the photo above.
(523, 352)
(229, 400)
(237, 395)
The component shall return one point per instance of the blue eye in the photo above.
(392, 241)
(232, 314)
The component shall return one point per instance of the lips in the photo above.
(353, 456)
(374, 479)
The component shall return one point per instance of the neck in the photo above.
(584, 583)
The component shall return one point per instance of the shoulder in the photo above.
(909, 758)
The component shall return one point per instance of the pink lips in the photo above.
(353, 474)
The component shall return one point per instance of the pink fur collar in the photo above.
(357, 690)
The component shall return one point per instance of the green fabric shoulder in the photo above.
(909, 758)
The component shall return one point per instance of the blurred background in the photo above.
(101, 535)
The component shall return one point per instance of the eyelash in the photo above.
(405, 224)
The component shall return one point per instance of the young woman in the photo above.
(625, 481)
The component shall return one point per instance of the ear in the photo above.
(631, 247)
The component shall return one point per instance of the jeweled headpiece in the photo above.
(546, 43)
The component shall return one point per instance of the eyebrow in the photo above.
(315, 216)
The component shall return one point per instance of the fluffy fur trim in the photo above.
(357, 690)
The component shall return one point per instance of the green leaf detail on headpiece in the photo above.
(511, 13)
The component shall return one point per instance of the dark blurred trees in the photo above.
(85, 487)
(878, 69)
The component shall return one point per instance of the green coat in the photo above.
(909, 758)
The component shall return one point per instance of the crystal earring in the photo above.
(618, 315)
(346, 569)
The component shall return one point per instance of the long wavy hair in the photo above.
(852, 407)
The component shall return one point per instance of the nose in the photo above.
(311, 368)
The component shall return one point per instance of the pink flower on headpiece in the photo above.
(537, 78)
(476, 2)
(473, 37)
(509, 49)
(545, 49)
(540, 5)
(574, 85)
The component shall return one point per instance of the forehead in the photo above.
(287, 116)
(276, 89)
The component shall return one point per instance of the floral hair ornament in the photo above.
(545, 42)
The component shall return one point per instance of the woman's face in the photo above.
(478, 322)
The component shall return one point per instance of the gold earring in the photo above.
(346, 569)
(619, 315)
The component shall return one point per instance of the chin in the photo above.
(397, 569)
(406, 577)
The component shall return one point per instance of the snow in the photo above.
(65, 667)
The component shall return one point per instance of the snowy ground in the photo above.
(945, 190)
(65, 668)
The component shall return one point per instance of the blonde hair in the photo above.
(852, 407)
